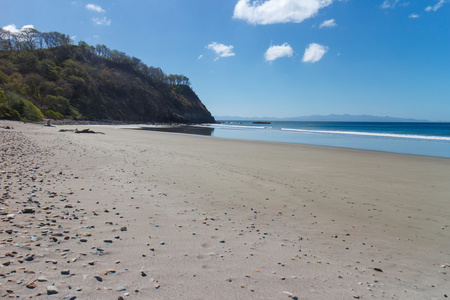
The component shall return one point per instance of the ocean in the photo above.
(421, 138)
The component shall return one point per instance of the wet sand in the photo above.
(153, 215)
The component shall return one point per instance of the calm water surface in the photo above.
(429, 139)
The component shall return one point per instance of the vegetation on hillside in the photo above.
(44, 75)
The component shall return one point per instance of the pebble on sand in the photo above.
(28, 210)
(51, 290)
(32, 284)
(290, 295)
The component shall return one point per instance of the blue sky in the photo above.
(278, 58)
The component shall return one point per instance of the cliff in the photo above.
(76, 82)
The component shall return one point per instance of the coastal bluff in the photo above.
(83, 82)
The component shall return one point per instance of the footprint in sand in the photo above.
(204, 257)
(207, 256)
(206, 245)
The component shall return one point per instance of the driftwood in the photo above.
(87, 131)
(80, 131)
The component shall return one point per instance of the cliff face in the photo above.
(132, 99)
(73, 82)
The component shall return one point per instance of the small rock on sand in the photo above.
(28, 210)
(290, 295)
(51, 290)
(32, 284)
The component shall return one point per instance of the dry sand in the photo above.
(148, 215)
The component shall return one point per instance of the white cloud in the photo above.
(389, 3)
(13, 28)
(314, 52)
(278, 51)
(95, 8)
(27, 26)
(394, 3)
(221, 50)
(98, 21)
(101, 21)
(328, 23)
(435, 7)
(413, 16)
(200, 56)
(278, 11)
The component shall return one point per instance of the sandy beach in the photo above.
(132, 214)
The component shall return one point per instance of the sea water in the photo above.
(418, 138)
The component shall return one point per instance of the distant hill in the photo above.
(43, 75)
(326, 118)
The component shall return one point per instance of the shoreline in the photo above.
(204, 218)
(207, 131)
(201, 129)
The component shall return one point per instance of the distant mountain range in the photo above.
(327, 118)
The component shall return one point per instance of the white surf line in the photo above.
(407, 136)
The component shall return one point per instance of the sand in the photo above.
(151, 215)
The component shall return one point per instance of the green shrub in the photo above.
(53, 115)
(17, 107)
(8, 113)
(31, 112)
(2, 96)
(61, 106)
